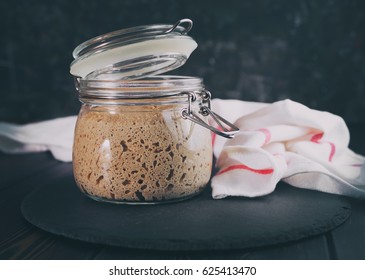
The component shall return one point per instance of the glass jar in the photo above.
(141, 150)
(141, 138)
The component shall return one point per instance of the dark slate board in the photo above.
(200, 223)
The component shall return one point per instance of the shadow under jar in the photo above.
(141, 149)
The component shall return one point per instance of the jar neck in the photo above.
(182, 98)
(157, 87)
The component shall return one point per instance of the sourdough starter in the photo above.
(142, 154)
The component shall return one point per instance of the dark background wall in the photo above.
(309, 51)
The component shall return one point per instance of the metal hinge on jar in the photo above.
(224, 128)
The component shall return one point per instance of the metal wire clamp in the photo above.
(224, 128)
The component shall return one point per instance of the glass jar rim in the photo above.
(148, 87)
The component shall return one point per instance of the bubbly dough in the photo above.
(140, 154)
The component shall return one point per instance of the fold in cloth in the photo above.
(284, 140)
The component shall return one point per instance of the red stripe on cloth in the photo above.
(316, 139)
(213, 138)
(267, 135)
(245, 167)
(333, 150)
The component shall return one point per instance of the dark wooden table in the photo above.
(20, 174)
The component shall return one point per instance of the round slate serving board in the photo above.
(199, 223)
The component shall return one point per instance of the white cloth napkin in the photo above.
(280, 141)
(54, 135)
(284, 141)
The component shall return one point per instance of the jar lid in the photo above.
(134, 53)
